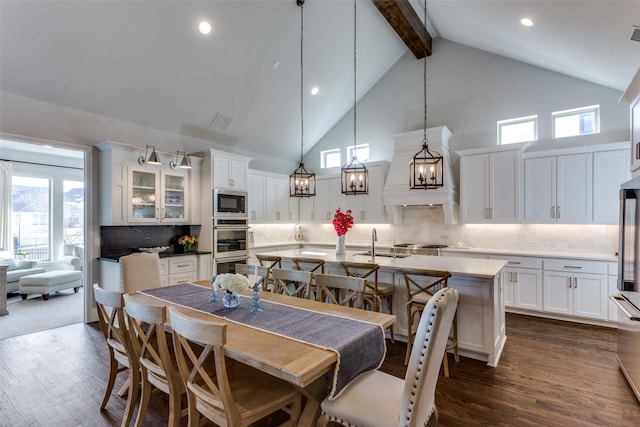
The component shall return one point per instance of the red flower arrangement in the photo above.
(342, 221)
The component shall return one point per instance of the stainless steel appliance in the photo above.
(230, 237)
(628, 297)
(418, 248)
(229, 204)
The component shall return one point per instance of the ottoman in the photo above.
(49, 281)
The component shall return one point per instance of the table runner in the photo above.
(360, 346)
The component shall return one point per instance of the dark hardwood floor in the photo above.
(551, 373)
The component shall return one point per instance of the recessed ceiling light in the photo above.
(276, 65)
(526, 22)
(315, 90)
(204, 27)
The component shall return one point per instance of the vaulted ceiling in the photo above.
(144, 62)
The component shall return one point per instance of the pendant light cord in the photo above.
(301, 3)
(424, 80)
(355, 10)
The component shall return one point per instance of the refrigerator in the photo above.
(628, 296)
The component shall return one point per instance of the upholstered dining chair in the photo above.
(375, 293)
(227, 394)
(271, 262)
(140, 271)
(377, 399)
(122, 354)
(294, 283)
(340, 290)
(157, 365)
(421, 285)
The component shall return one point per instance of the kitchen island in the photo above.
(481, 320)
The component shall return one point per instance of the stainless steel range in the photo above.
(418, 248)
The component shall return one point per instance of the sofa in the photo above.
(18, 269)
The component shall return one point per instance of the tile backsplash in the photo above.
(426, 225)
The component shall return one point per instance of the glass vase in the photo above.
(231, 300)
(340, 248)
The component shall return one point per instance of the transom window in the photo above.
(578, 121)
(330, 158)
(521, 129)
(362, 150)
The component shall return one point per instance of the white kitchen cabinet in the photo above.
(229, 171)
(257, 198)
(157, 196)
(328, 199)
(522, 281)
(277, 199)
(610, 169)
(490, 187)
(575, 288)
(559, 189)
(368, 208)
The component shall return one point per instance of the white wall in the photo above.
(469, 90)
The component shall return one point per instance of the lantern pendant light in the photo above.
(426, 170)
(355, 176)
(302, 182)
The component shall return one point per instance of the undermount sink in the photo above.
(384, 254)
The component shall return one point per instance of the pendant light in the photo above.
(302, 182)
(426, 170)
(355, 176)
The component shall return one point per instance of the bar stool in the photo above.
(375, 293)
(421, 285)
(269, 261)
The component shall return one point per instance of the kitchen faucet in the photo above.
(374, 237)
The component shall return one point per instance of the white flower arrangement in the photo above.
(232, 283)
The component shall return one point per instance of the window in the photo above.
(518, 130)
(31, 232)
(73, 212)
(330, 158)
(579, 121)
(362, 150)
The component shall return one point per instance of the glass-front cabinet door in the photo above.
(174, 207)
(143, 196)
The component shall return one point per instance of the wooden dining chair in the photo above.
(157, 366)
(377, 399)
(340, 290)
(226, 394)
(140, 271)
(421, 285)
(271, 262)
(314, 265)
(122, 354)
(249, 271)
(294, 283)
(375, 293)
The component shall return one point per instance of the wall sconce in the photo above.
(153, 159)
(184, 164)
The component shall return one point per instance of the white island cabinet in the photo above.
(481, 320)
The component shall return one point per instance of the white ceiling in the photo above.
(144, 61)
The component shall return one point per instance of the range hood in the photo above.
(396, 193)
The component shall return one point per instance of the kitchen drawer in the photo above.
(175, 279)
(575, 266)
(520, 261)
(182, 264)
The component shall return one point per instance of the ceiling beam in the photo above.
(407, 24)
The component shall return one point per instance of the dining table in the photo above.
(309, 367)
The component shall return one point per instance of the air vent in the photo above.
(220, 122)
(635, 34)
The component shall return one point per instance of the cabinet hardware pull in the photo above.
(569, 281)
(575, 282)
(515, 273)
(182, 265)
(553, 211)
(511, 276)
(572, 266)
(514, 262)
(558, 212)
(638, 150)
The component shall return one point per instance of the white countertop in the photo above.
(460, 266)
(546, 254)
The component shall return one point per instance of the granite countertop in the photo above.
(166, 254)
(542, 254)
(474, 267)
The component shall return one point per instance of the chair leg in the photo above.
(175, 410)
(456, 356)
(445, 362)
(390, 303)
(322, 421)
(113, 371)
(409, 334)
(132, 396)
(144, 400)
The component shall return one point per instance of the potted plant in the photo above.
(21, 255)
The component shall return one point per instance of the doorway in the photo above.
(48, 231)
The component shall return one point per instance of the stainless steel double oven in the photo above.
(230, 236)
